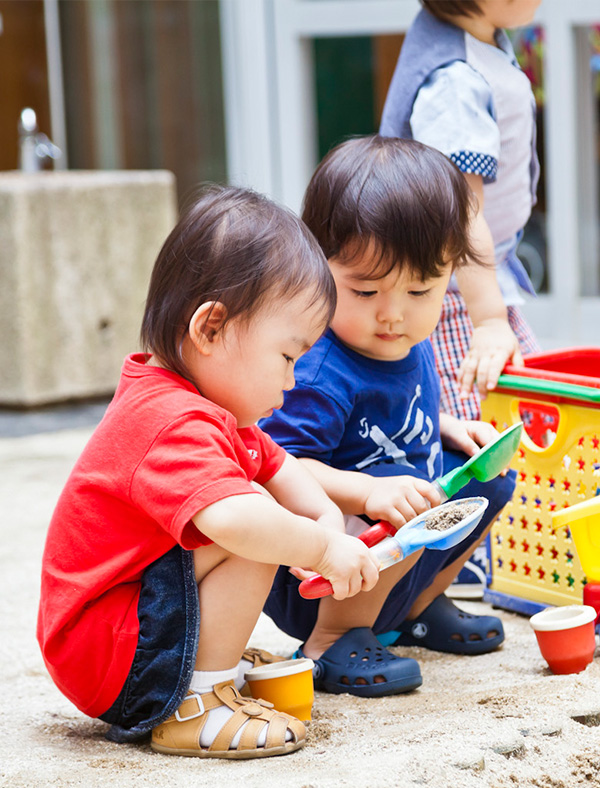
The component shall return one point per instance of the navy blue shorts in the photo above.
(161, 672)
(297, 616)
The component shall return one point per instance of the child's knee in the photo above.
(233, 568)
(500, 490)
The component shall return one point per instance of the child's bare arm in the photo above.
(259, 529)
(396, 499)
(295, 488)
(493, 342)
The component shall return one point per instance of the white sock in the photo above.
(242, 667)
(203, 681)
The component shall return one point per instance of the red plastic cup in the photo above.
(566, 637)
(591, 597)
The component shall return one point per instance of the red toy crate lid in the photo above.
(579, 366)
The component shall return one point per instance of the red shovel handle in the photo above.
(316, 586)
(376, 533)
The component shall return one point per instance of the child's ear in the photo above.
(205, 324)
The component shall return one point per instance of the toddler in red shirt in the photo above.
(166, 539)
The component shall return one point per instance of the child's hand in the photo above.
(466, 436)
(398, 499)
(493, 345)
(348, 565)
(334, 521)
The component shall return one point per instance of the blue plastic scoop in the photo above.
(411, 537)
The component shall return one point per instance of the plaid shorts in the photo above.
(451, 340)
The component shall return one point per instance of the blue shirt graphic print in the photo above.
(361, 414)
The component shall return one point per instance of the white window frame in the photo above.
(271, 127)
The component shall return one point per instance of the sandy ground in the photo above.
(500, 719)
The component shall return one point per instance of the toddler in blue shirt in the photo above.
(392, 218)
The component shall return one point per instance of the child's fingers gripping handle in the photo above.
(315, 587)
(376, 533)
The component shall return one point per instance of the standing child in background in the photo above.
(458, 87)
(161, 551)
(392, 217)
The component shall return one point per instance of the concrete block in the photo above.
(76, 253)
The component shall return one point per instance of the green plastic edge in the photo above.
(453, 481)
(551, 387)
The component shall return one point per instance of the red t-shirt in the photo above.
(161, 454)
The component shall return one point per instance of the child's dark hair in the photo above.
(447, 9)
(407, 198)
(236, 247)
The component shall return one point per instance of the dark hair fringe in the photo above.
(236, 247)
(447, 9)
(407, 198)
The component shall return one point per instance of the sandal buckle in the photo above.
(199, 713)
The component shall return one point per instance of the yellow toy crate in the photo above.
(557, 396)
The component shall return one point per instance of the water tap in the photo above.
(34, 147)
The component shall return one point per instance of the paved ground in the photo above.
(498, 720)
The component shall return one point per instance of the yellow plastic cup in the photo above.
(288, 685)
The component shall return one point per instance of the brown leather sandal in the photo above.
(258, 657)
(180, 734)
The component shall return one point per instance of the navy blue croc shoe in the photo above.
(444, 627)
(358, 664)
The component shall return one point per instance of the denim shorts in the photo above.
(297, 616)
(161, 672)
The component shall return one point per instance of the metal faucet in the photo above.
(34, 147)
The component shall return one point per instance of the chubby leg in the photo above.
(335, 618)
(214, 720)
(232, 592)
(348, 657)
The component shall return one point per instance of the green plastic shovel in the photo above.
(484, 466)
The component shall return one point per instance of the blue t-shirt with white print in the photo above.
(360, 414)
